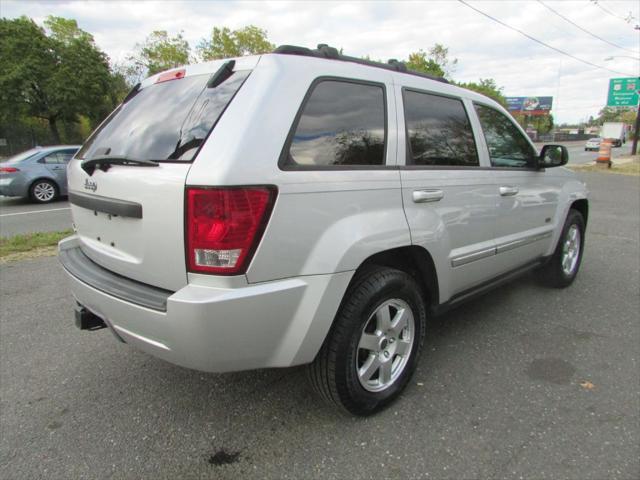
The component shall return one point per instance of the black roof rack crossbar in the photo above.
(327, 52)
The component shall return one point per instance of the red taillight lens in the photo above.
(224, 227)
(8, 170)
(172, 75)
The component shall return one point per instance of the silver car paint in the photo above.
(323, 226)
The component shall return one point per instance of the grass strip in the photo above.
(628, 168)
(31, 243)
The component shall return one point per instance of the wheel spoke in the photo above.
(574, 234)
(383, 319)
(369, 368)
(385, 373)
(369, 342)
(385, 342)
(400, 321)
(402, 347)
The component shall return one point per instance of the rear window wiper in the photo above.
(103, 162)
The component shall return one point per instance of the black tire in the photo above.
(38, 189)
(552, 273)
(333, 373)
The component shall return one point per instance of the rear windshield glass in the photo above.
(23, 156)
(165, 121)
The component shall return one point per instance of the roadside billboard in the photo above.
(530, 105)
(623, 92)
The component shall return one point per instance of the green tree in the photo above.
(55, 74)
(158, 52)
(487, 87)
(613, 114)
(226, 43)
(66, 30)
(434, 62)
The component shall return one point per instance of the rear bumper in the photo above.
(271, 324)
(12, 187)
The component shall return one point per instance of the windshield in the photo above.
(166, 121)
(23, 156)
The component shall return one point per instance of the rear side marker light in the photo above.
(8, 170)
(224, 227)
(172, 75)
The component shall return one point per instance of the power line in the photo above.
(584, 29)
(606, 10)
(541, 42)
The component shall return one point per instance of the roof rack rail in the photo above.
(325, 51)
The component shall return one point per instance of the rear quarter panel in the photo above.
(323, 221)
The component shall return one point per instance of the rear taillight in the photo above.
(224, 227)
(8, 170)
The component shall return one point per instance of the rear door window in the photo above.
(438, 131)
(508, 147)
(342, 124)
(54, 158)
(68, 154)
(166, 121)
(60, 157)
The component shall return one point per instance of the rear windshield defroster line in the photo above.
(167, 121)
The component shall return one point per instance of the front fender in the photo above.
(572, 190)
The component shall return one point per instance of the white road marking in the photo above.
(34, 211)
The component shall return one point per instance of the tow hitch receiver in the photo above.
(85, 320)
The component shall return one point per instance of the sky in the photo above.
(384, 30)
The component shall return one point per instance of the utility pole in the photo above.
(634, 147)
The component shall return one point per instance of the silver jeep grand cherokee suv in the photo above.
(304, 207)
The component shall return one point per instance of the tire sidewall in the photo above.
(398, 285)
(573, 218)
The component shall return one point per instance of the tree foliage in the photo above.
(434, 62)
(487, 87)
(225, 43)
(613, 114)
(158, 52)
(55, 74)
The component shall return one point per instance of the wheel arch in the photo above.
(413, 259)
(582, 206)
(42, 177)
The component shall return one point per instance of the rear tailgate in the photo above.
(130, 218)
(148, 247)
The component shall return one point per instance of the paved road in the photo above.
(497, 394)
(578, 155)
(17, 215)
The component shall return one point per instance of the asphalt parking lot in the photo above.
(18, 215)
(526, 382)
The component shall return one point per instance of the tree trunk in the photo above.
(53, 126)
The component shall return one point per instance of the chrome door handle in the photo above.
(507, 190)
(424, 196)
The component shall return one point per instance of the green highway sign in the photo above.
(623, 92)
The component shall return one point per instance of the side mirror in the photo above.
(553, 156)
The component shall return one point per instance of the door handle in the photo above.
(508, 190)
(424, 196)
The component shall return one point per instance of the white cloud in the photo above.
(385, 30)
